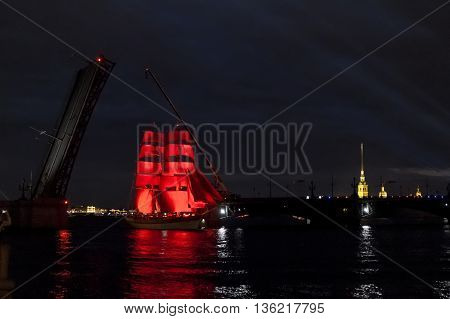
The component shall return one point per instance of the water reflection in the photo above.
(170, 264)
(368, 265)
(231, 267)
(230, 245)
(223, 249)
(368, 291)
(186, 264)
(225, 263)
(6, 284)
(62, 271)
(366, 254)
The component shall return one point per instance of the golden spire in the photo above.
(362, 159)
(363, 188)
(382, 193)
(418, 192)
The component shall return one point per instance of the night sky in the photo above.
(234, 61)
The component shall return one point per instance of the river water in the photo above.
(323, 262)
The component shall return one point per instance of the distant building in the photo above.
(90, 209)
(418, 193)
(363, 187)
(382, 193)
(97, 211)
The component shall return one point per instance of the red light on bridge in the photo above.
(66, 202)
(99, 59)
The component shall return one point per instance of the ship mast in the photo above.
(217, 178)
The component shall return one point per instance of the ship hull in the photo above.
(174, 224)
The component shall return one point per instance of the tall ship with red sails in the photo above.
(170, 191)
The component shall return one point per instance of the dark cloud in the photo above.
(429, 172)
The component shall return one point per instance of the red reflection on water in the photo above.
(63, 272)
(171, 264)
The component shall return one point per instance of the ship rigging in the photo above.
(171, 192)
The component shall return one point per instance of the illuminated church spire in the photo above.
(382, 193)
(363, 188)
(418, 192)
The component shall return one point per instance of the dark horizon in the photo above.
(234, 63)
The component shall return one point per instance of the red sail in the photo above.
(167, 180)
(203, 190)
(145, 200)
